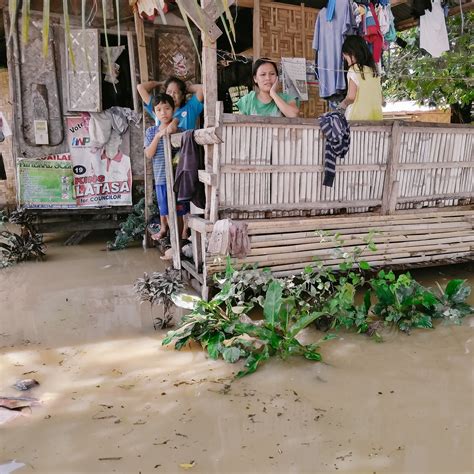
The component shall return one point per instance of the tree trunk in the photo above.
(461, 113)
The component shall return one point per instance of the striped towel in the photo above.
(338, 138)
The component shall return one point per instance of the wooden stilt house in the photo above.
(411, 183)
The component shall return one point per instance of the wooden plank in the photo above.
(133, 76)
(435, 197)
(196, 246)
(175, 237)
(188, 266)
(296, 168)
(258, 241)
(207, 178)
(391, 171)
(147, 164)
(256, 29)
(282, 206)
(383, 244)
(199, 224)
(202, 19)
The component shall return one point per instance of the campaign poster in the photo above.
(45, 184)
(102, 173)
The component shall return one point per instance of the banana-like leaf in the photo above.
(117, 7)
(12, 10)
(25, 25)
(228, 14)
(226, 28)
(188, 26)
(107, 49)
(83, 24)
(45, 27)
(67, 30)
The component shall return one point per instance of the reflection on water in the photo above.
(114, 400)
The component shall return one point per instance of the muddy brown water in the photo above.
(114, 400)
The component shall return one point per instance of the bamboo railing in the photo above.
(411, 183)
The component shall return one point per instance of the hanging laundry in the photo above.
(433, 32)
(419, 7)
(338, 139)
(373, 36)
(327, 43)
(149, 9)
(186, 184)
(229, 238)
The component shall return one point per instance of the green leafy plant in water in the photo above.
(451, 305)
(132, 229)
(27, 245)
(223, 328)
(159, 288)
(407, 304)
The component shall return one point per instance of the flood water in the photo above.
(114, 400)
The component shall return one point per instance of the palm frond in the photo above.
(45, 28)
(117, 7)
(107, 47)
(67, 30)
(228, 14)
(188, 26)
(25, 18)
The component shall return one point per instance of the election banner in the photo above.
(102, 174)
(45, 184)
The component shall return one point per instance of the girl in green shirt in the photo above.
(267, 101)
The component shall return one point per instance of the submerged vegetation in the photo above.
(159, 288)
(27, 245)
(320, 295)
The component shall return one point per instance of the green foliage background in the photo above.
(414, 75)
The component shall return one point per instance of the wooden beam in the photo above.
(201, 18)
(147, 165)
(175, 236)
(209, 73)
(256, 30)
(215, 9)
(391, 171)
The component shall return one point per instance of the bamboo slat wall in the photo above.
(435, 163)
(276, 169)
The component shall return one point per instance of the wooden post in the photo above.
(175, 236)
(147, 165)
(209, 74)
(256, 29)
(303, 30)
(390, 185)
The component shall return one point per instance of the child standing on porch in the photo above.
(364, 92)
(163, 106)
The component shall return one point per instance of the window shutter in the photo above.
(84, 80)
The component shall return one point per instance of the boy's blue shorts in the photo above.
(182, 207)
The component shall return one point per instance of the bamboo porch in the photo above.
(412, 183)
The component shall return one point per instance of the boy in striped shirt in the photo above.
(163, 105)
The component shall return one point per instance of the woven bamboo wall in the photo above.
(175, 54)
(287, 31)
(8, 186)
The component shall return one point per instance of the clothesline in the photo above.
(465, 79)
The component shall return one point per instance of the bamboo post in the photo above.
(389, 202)
(216, 160)
(256, 29)
(209, 74)
(147, 165)
(175, 236)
